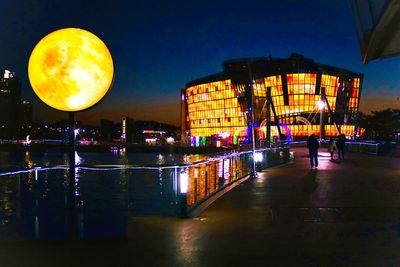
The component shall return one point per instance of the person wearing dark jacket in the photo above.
(341, 144)
(313, 145)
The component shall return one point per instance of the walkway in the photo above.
(343, 214)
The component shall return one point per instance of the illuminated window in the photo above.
(216, 101)
(216, 108)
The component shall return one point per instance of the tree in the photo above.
(380, 125)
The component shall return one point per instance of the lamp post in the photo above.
(71, 70)
(71, 175)
(268, 114)
(321, 106)
(253, 140)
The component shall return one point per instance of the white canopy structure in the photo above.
(378, 26)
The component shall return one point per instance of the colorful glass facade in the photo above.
(218, 107)
(213, 109)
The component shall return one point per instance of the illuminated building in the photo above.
(149, 132)
(153, 137)
(10, 98)
(128, 129)
(215, 109)
(13, 111)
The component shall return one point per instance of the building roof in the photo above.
(210, 78)
(257, 67)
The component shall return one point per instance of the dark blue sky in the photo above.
(158, 46)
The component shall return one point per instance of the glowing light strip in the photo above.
(33, 169)
(131, 167)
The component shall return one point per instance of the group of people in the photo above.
(338, 146)
(313, 146)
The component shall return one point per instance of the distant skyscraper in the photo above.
(10, 103)
(128, 129)
(14, 112)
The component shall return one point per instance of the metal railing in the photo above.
(171, 190)
(363, 147)
(366, 147)
(202, 180)
(372, 147)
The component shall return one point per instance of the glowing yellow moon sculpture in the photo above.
(70, 69)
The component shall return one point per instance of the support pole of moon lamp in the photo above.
(71, 176)
(71, 70)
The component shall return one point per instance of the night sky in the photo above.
(158, 46)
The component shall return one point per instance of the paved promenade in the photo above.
(343, 214)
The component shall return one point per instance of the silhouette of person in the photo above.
(313, 145)
(332, 147)
(341, 144)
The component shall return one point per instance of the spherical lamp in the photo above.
(70, 69)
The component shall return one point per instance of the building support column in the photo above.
(268, 114)
(322, 115)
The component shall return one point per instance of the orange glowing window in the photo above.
(330, 83)
(215, 109)
(356, 83)
(260, 90)
(301, 83)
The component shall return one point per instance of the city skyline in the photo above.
(160, 46)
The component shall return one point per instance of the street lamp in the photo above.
(253, 138)
(321, 106)
(71, 70)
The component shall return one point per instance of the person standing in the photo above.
(341, 144)
(313, 145)
(332, 147)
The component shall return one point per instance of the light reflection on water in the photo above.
(39, 209)
(28, 159)
(23, 160)
(34, 205)
(160, 159)
(78, 159)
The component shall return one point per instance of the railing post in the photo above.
(230, 169)
(176, 189)
(222, 178)
(234, 167)
(215, 175)
(196, 173)
(206, 181)
(181, 181)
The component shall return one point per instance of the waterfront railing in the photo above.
(167, 190)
